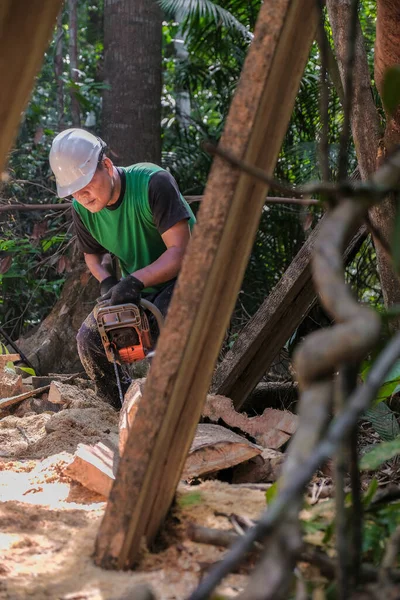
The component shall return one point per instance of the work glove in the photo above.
(107, 284)
(128, 290)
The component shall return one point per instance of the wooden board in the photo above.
(272, 325)
(94, 467)
(208, 285)
(25, 31)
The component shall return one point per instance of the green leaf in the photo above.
(380, 454)
(390, 383)
(391, 89)
(383, 421)
(271, 493)
(27, 370)
(370, 493)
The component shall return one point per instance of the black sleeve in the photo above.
(165, 201)
(86, 242)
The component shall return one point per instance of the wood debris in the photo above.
(271, 430)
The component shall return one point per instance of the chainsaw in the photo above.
(125, 332)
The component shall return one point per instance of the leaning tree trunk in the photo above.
(132, 70)
(365, 122)
(52, 347)
(387, 54)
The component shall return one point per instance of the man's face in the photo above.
(98, 192)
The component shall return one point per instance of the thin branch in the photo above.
(365, 191)
(44, 187)
(33, 207)
(339, 428)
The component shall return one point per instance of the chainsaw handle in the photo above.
(154, 310)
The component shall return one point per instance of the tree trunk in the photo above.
(73, 60)
(387, 54)
(58, 70)
(365, 125)
(132, 70)
(52, 347)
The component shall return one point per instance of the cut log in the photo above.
(272, 429)
(260, 469)
(271, 394)
(62, 393)
(215, 448)
(94, 467)
(209, 281)
(128, 411)
(272, 325)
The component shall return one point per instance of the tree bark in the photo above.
(73, 60)
(58, 70)
(132, 70)
(52, 347)
(365, 122)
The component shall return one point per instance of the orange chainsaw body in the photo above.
(124, 331)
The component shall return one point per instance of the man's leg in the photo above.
(96, 364)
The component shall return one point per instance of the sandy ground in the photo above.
(48, 524)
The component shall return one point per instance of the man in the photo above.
(135, 213)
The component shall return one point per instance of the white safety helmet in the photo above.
(74, 156)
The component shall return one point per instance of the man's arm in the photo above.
(168, 265)
(100, 265)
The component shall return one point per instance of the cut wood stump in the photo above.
(5, 358)
(215, 448)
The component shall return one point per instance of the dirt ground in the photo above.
(48, 524)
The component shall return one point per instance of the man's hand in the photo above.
(107, 284)
(125, 291)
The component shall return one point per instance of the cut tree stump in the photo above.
(272, 325)
(215, 448)
(5, 358)
(208, 284)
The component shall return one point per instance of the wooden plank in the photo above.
(272, 325)
(15, 399)
(94, 467)
(25, 30)
(210, 279)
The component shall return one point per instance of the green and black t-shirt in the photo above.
(149, 204)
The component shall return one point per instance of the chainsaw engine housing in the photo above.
(124, 331)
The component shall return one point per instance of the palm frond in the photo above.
(206, 9)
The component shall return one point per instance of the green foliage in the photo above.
(380, 454)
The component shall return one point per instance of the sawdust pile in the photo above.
(48, 523)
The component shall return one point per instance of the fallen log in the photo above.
(263, 468)
(272, 325)
(214, 448)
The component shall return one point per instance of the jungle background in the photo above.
(203, 48)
